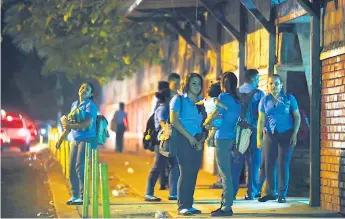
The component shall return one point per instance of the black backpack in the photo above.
(150, 134)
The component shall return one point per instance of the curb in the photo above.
(58, 185)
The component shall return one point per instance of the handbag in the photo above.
(167, 146)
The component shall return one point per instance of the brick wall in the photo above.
(333, 134)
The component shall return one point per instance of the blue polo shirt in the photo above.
(161, 114)
(247, 88)
(190, 118)
(230, 117)
(279, 118)
(90, 109)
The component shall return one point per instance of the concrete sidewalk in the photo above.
(127, 182)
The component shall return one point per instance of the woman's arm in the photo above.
(296, 124)
(220, 104)
(261, 124)
(211, 117)
(82, 125)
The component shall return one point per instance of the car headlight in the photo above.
(43, 131)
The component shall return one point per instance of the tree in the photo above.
(88, 38)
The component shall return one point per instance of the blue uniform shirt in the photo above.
(279, 118)
(247, 88)
(190, 118)
(90, 109)
(161, 114)
(230, 117)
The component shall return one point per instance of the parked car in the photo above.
(14, 132)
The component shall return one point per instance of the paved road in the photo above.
(25, 190)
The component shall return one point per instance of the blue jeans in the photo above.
(159, 167)
(224, 163)
(277, 148)
(253, 161)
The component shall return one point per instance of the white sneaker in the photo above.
(78, 201)
(71, 200)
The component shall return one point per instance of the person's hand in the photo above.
(207, 126)
(193, 142)
(66, 125)
(199, 146)
(293, 140)
(58, 145)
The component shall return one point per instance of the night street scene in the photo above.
(172, 109)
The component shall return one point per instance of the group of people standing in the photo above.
(275, 118)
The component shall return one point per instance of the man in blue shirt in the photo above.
(121, 126)
(253, 154)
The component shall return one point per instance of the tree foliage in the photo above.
(88, 38)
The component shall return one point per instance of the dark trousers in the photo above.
(76, 168)
(277, 148)
(189, 160)
(253, 160)
(119, 137)
(262, 175)
(159, 167)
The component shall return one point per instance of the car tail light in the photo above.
(9, 118)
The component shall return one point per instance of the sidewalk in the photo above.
(129, 172)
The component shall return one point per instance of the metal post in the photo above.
(315, 99)
(242, 46)
(95, 175)
(86, 181)
(103, 167)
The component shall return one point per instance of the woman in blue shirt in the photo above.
(277, 131)
(161, 116)
(83, 130)
(186, 117)
(225, 139)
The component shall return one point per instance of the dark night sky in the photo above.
(10, 62)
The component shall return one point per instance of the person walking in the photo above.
(120, 121)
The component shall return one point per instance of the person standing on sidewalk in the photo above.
(225, 139)
(277, 131)
(186, 117)
(83, 130)
(161, 117)
(121, 124)
(248, 91)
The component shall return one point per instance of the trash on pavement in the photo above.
(130, 170)
(161, 214)
(126, 163)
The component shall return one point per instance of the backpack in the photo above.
(101, 129)
(244, 127)
(150, 134)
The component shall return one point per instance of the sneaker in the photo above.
(151, 198)
(71, 200)
(247, 197)
(194, 210)
(220, 213)
(185, 212)
(267, 198)
(281, 199)
(173, 197)
(77, 202)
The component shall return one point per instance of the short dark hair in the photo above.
(250, 74)
(162, 95)
(187, 80)
(173, 76)
(122, 105)
(214, 90)
(162, 85)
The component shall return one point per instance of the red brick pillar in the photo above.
(333, 134)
